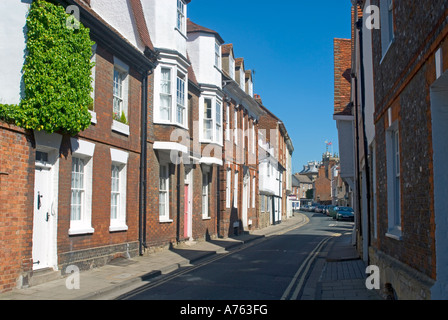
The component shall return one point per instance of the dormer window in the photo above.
(181, 16)
(232, 67)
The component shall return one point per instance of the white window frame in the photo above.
(228, 123)
(387, 25)
(93, 83)
(218, 122)
(177, 84)
(122, 69)
(235, 125)
(217, 55)
(235, 190)
(253, 190)
(215, 125)
(181, 102)
(232, 66)
(205, 195)
(181, 16)
(84, 151)
(393, 181)
(119, 160)
(164, 174)
(228, 186)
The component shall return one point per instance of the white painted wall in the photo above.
(161, 19)
(346, 149)
(12, 48)
(118, 13)
(368, 78)
(201, 50)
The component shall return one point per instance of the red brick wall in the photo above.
(87, 250)
(16, 205)
(342, 73)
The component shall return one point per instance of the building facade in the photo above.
(68, 176)
(171, 155)
(397, 111)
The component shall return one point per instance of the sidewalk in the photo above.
(342, 276)
(123, 275)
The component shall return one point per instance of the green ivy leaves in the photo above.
(57, 74)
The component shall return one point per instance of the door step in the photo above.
(43, 276)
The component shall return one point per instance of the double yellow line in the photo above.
(305, 266)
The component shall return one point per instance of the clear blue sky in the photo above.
(289, 44)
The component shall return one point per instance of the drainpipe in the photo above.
(143, 164)
(359, 26)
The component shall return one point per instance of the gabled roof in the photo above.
(239, 62)
(226, 49)
(195, 28)
(140, 21)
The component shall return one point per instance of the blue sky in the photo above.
(289, 44)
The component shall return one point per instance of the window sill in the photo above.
(181, 33)
(120, 127)
(74, 232)
(206, 218)
(394, 234)
(93, 114)
(118, 228)
(162, 220)
(387, 50)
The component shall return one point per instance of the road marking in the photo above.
(306, 264)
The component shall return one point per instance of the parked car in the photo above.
(304, 207)
(332, 212)
(328, 208)
(345, 213)
(319, 209)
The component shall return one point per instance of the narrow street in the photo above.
(282, 267)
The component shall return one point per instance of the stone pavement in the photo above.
(343, 276)
(124, 275)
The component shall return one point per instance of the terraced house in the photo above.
(396, 120)
(169, 153)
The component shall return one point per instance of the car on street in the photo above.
(328, 208)
(345, 213)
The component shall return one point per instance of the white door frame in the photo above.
(189, 182)
(44, 247)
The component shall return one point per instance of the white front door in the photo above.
(43, 206)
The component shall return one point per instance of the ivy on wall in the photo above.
(56, 74)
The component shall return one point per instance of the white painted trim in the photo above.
(82, 148)
(121, 65)
(210, 161)
(48, 141)
(119, 127)
(119, 156)
(93, 115)
(169, 146)
(439, 63)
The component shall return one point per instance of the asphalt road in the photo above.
(276, 268)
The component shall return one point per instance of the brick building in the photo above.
(399, 121)
(67, 177)
(173, 117)
(239, 174)
(275, 150)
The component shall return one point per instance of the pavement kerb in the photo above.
(295, 222)
(276, 230)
